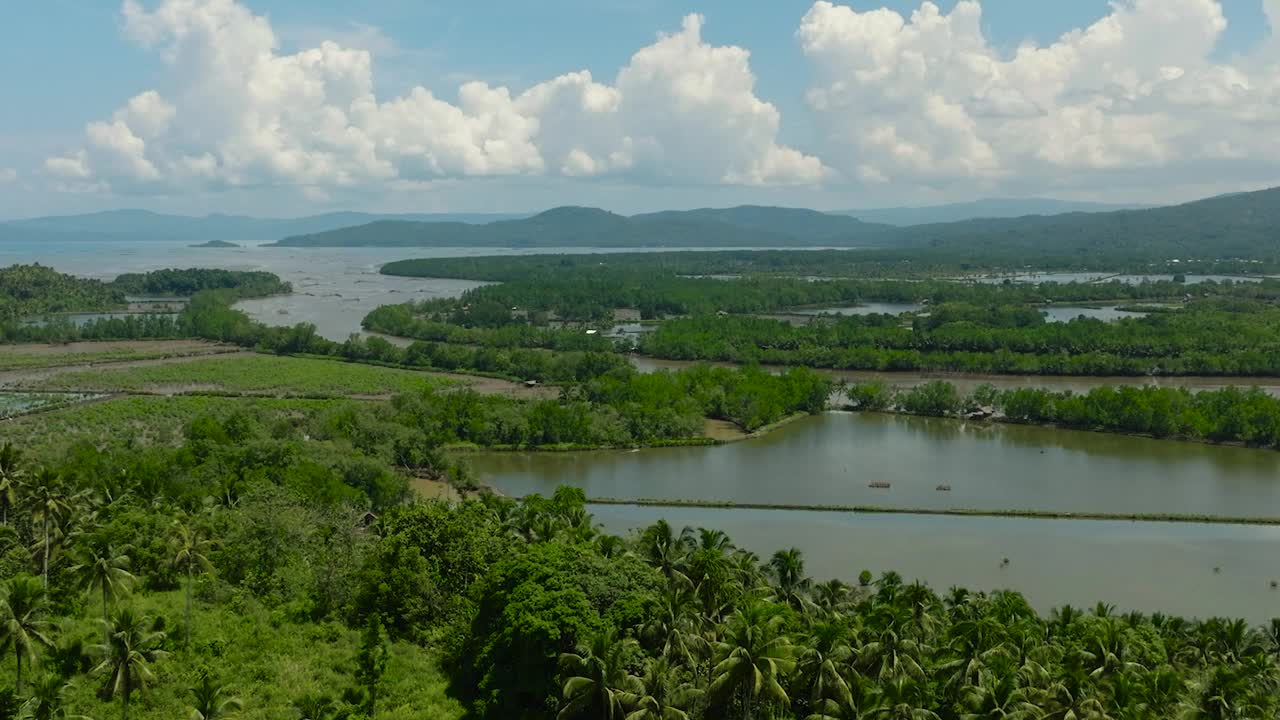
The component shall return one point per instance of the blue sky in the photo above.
(68, 63)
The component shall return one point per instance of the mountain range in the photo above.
(145, 225)
(1243, 226)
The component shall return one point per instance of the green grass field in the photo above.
(265, 660)
(140, 420)
(258, 374)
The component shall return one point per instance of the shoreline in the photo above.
(955, 512)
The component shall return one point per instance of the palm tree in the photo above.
(316, 707)
(902, 700)
(672, 629)
(821, 665)
(48, 700)
(1225, 694)
(664, 551)
(663, 698)
(791, 586)
(210, 699)
(50, 504)
(103, 570)
(11, 473)
(598, 685)
(753, 658)
(998, 697)
(22, 624)
(132, 646)
(189, 555)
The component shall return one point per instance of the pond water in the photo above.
(1088, 277)
(17, 403)
(870, 308)
(1064, 313)
(832, 459)
(1147, 566)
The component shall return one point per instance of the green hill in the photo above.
(572, 227)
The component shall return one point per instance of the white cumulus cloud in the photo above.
(241, 113)
(927, 101)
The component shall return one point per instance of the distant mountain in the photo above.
(1238, 226)
(747, 226)
(146, 225)
(795, 222)
(990, 208)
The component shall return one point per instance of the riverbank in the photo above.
(953, 512)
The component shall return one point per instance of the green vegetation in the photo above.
(1227, 337)
(17, 403)
(302, 611)
(1227, 415)
(590, 287)
(43, 356)
(36, 291)
(254, 374)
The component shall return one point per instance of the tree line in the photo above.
(1212, 337)
(1231, 414)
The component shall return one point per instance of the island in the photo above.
(216, 244)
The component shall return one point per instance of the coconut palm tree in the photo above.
(23, 605)
(822, 663)
(791, 586)
(664, 551)
(50, 503)
(903, 699)
(48, 700)
(752, 659)
(11, 474)
(1224, 694)
(998, 696)
(598, 686)
(189, 554)
(672, 628)
(663, 698)
(104, 571)
(132, 646)
(316, 707)
(210, 700)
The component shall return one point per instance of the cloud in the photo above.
(926, 101)
(244, 114)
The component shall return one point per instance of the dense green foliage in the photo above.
(28, 291)
(1227, 415)
(185, 283)
(34, 289)
(1207, 338)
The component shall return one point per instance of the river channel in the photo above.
(832, 459)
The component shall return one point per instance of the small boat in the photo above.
(879, 485)
(944, 488)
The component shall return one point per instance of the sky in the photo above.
(287, 107)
